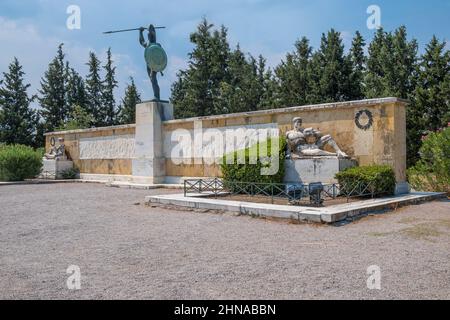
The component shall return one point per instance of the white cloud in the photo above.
(23, 40)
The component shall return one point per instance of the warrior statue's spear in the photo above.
(127, 30)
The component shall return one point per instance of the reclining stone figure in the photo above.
(57, 152)
(307, 142)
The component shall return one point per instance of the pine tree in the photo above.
(17, 119)
(376, 61)
(110, 83)
(358, 60)
(402, 79)
(430, 105)
(235, 88)
(266, 85)
(293, 81)
(331, 70)
(52, 97)
(76, 92)
(94, 91)
(79, 119)
(197, 89)
(391, 65)
(127, 109)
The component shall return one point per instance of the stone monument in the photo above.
(306, 159)
(55, 162)
(148, 163)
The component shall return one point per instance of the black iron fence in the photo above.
(295, 193)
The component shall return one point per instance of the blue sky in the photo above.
(32, 29)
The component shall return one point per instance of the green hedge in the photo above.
(18, 162)
(432, 171)
(252, 172)
(380, 177)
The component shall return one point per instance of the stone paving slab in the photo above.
(36, 181)
(329, 214)
(143, 186)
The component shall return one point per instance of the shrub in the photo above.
(432, 171)
(70, 174)
(18, 162)
(380, 179)
(252, 172)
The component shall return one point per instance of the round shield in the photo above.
(156, 57)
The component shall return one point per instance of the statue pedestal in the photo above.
(52, 169)
(149, 164)
(315, 169)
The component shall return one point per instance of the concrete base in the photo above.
(105, 177)
(148, 166)
(315, 169)
(180, 180)
(402, 188)
(329, 214)
(144, 186)
(52, 169)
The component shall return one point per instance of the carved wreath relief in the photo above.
(364, 119)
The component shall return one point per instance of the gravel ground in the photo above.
(126, 250)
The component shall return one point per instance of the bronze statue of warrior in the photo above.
(155, 57)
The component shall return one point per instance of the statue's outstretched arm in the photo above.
(141, 38)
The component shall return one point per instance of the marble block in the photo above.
(315, 169)
(148, 164)
(52, 169)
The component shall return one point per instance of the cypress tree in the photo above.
(376, 61)
(358, 60)
(391, 65)
(52, 95)
(109, 84)
(94, 91)
(293, 80)
(76, 92)
(267, 85)
(197, 89)
(402, 79)
(234, 94)
(17, 119)
(332, 69)
(430, 106)
(127, 109)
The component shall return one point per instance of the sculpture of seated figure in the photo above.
(56, 153)
(304, 142)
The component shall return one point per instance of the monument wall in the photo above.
(370, 131)
(99, 151)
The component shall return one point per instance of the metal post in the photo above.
(271, 187)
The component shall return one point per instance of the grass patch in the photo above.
(379, 234)
(422, 231)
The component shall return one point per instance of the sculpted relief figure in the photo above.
(56, 152)
(306, 142)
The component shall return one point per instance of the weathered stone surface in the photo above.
(180, 144)
(110, 147)
(328, 214)
(383, 143)
(52, 169)
(148, 164)
(315, 169)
